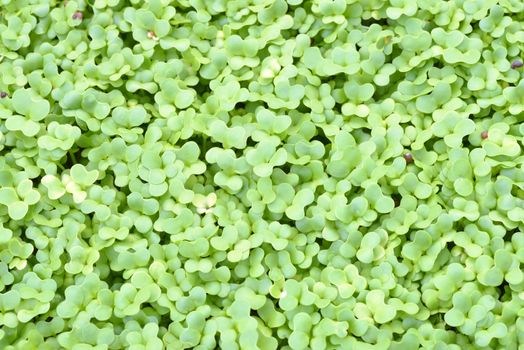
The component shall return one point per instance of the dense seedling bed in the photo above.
(261, 174)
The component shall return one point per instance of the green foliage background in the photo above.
(261, 174)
